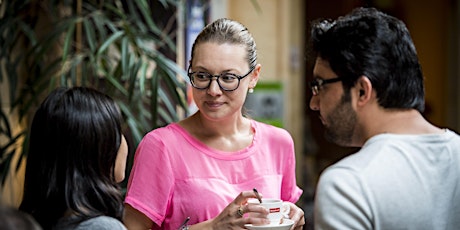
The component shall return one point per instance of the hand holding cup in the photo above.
(278, 210)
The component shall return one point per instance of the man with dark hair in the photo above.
(368, 90)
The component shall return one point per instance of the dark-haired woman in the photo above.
(77, 155)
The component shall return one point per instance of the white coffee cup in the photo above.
(276, 207)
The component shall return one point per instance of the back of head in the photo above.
(228, 31)
(13, 219)
(370, 43)
(73, 145)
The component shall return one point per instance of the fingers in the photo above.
(241, 207)
(300, 224)
(243, 197)
(259, 214)
(240, 203)
(297, 215)
(240, 211)
(235, 215)
(257, 210)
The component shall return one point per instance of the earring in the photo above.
(250, 90)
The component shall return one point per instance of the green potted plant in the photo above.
(118, 47)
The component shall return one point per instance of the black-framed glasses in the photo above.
(226, 81)
(316, 84)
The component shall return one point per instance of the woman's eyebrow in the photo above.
(203, 69)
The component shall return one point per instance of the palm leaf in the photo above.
(119, 55)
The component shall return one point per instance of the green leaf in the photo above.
(28, 32)
(5, 124)
(142, 77)
(170, 106)
(178, 94)
(117, 84)
(137, 20)
(134, 126)
(67, 42)
(5, 165)
(133, 79)
(256, 6)
(120, 44)
(145, 10)
(99, 22)
(109, 41)
(125, 55)
(90, 36)
(154, 85)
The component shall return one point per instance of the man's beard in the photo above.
(341, 122)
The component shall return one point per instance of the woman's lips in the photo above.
(214, 104)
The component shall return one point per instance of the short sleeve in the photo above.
(291, 192)
(151, 180)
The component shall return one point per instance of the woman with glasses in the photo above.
(203, 169)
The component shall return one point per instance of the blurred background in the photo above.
(281, 31)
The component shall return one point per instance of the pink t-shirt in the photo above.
(175, 176)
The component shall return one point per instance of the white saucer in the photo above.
(286, 225)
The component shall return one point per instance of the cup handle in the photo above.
(285, 210)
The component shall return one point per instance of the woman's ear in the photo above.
(255, 76)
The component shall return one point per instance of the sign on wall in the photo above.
(266, 103)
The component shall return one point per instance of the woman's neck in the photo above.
(226, 135)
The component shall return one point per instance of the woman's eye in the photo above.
(202, 76)
(228, 77)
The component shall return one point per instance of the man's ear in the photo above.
(364, 88)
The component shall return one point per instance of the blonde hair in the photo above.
(225, 30)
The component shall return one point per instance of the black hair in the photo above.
(73, 145)
(379, 46)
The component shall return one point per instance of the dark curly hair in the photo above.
(374, 44)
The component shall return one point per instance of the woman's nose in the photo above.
(214, 88)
